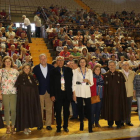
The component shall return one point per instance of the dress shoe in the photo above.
(110, 126)
(118, 126)
(130, 124)
(136, 110)
(39, 128)
(81, 126)
(97, 125)
(49, 128)
(90, 131)
(122, 124)
(73, 118)
(66, 129)
(58, 130)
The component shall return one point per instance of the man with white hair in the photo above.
(129, 77)
(28, 25)
(61, 91)
(42, 73)
(114, 99)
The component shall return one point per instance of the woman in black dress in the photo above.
(28, 102)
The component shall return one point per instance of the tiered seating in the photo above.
(37, 47)
(111, 6)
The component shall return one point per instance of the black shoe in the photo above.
(66, 129)
(58, 130)
(81, 126)
(130, 124)
(73, 118)
(90, 131)
(110, 126)
(122, 124)
(39, 128)
(136, 110)
(49, 128)
(118, 126)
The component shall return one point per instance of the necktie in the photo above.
(62, 80)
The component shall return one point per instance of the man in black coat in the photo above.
(61, 91)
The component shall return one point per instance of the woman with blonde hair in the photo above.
(8, 77)
(28, 101)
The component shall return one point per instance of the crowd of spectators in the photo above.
(14, 43)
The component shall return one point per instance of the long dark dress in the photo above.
(28, 103)
(114, 97)
(1, 121)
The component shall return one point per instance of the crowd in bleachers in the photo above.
(14, 43)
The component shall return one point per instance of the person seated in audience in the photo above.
(65, 40)
(92, 63)
(80, 46)
(57, 28)
(10, 32)
(123, 43)
(26, 46)
(130, 52)
(133, 63)
(13, 38)
(113, 52)
(3, 31)
(85, 54)
(11, 25)
(75, 53)
(61, 34)
(79, 36)
(11, 43)
(53, 34)
(105, 52)
(2, 39)
(12, 51)
(17, 62)
(93, 41)
(49, 29)
(2, 53)
(87, 35)
(97, 54)
(121, 53)
(104, 62)
(3, 14)
(129, 41)
(108, 41)
(22, 39)
(19, 32)
(75, 41)
(113, 58)
(27, 60)
(120, 63)
(59, 48)
(68, 62)
(70, 34)
(133, 46)
(69, 45)
(55, 42)
(65, 53)
(23, 54)
(100, 41)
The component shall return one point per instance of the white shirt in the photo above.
(49, 30)
(82, 90)
(134, 63)
(37, 21)
(26, 22)
(126, 73)
(44, 70)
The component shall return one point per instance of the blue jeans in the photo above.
(95, 112)
(138, 103)
(74, 109)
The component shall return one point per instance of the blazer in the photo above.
(129, 82)
(55, 83)
(44, 83)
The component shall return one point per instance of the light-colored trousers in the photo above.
(9, 102)
(46, 100)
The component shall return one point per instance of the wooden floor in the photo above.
(73, 127)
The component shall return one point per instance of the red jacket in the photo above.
(93, 88)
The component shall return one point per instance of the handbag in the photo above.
(96, 99)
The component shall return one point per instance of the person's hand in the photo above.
(134, 94)
(53, 98)
(74, 97)
(0, 94)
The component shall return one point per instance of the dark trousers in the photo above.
(74, 109)
(81, 109)
(95, 112)
(37, 31)
(129, 104)
(29, 33)
(118, 123)
(65, 103)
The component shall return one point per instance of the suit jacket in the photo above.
(55, 83)
(44, 83)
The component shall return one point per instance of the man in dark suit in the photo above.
(61, 91)
(42, 72)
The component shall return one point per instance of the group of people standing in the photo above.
(24, 94)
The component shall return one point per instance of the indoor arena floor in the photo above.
(103, 133)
